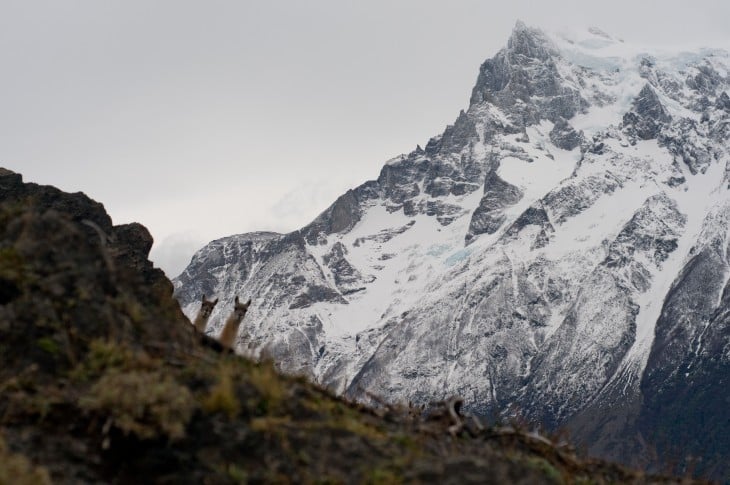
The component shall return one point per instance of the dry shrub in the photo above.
(18, 470)
(146, 404)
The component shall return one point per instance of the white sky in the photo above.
(202, 119)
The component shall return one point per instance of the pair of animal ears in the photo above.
(246, 304)
(237, 301)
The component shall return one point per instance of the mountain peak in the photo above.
(523, 80)
(519, 25)
(529, 42)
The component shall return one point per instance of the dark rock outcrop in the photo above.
(723, 102)
(347, 278)
(688, 141)
(685, 385)
(706, 80)
(564, 136)
(648, 115)
(489, 217)
(342, 215)
(455, 137)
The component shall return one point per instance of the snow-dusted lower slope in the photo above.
(559, 252)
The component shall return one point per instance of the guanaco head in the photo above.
(206, 308)
(240, 309)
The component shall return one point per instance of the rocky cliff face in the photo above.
(559, 252)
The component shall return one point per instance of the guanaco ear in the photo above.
(249, 303)
(215, 302)
(203, 297)
(236, 299)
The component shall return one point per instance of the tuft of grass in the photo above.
(104, 356)
(238, 475)
(546, 468)
(270, 424)
(127, 305)
(360, 428)
(383, 476)
(12, 265)
(584, 481)
(16, 469)
(405, 441)
(270, 387)
(222, 397)
(146, 404)
(47, 344)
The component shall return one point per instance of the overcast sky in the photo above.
(202, 119)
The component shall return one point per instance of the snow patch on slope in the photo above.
(402, 266)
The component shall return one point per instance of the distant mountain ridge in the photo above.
(559, 252)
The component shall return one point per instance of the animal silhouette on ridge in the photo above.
(230, 329)
(206, 308)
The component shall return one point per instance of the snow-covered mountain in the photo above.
(559, 252)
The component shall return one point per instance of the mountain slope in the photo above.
(103, 380)
(560, 247)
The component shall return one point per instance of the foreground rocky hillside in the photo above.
(102, 380)
(558, 253)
